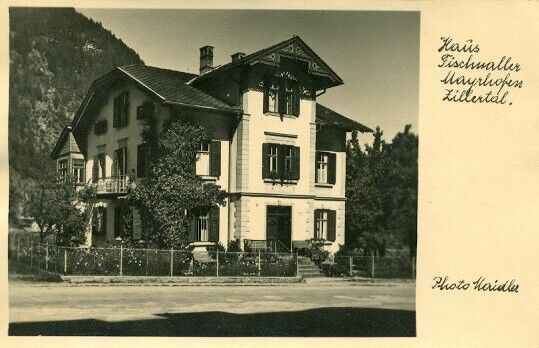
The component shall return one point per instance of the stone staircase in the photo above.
(308, 269)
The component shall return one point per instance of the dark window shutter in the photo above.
(213, 233)
(295, 99)
(331, 168)
(115, 163)
(193, 229)
(102, 164)
(125, 109)
(116, 113)
(215, 158)
(316, 212)
(104, 223)
(295, 163)
(117, 221)
(95, 169)
(316, 166)
(265, 160)
(332, 225)
(282, 96)
(266, 95)
(142, 155)
(281, 154)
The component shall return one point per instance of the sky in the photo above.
(375, 53)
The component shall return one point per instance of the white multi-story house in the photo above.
(265, 124)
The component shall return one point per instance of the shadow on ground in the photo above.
(331, 322)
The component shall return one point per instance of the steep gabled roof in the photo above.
(293, 47)
(326, 116)
(66, 144)
(171, 87)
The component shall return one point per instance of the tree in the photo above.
(401, 178)
(172, 195)
(59, 208)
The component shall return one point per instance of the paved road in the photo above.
(314, 309)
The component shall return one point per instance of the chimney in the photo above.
(238, 55)
(206, 59)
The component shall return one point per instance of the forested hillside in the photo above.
(55, 54)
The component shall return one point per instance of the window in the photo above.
(325, 168)
(203, 159)
(145, 111)
(325, 224)
(142, 160)
(321, 230)
(280, 161)
(281, 95)
(288, 159)
(100, 127)
(102, 158)
(78, 170)
(322, 168)
(62, 168)
(273, 97)
(121, 111)
(202, 228)
(273, 159)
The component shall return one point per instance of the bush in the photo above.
(393, 267)
(234, 246)
(332, 269)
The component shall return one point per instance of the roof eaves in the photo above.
(205, 107)
(141, 83)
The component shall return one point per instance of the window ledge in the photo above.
(278, 182)
(276, 114)
(208, 177)
(320, 184)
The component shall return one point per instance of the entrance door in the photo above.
(278, 226)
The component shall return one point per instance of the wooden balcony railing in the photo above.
(112, 184)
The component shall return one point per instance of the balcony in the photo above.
(112, 185)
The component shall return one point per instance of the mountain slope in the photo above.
(55, 54)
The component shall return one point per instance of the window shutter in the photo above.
(115, 163)
(331, 168)
(126, 109)
(141, 160)
(95, 169)
(265, 160)
(117, 217)
(332, 222)
(316, 166)
(266, 95)
(282, 96)
(102, 164)
(193, 228)
(215, 158)
(295, 163)
(116, 113)
(213, 233)
(125, 162)
(316, 212)
(295, 99)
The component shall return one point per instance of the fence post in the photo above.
(31, 254)
(65, 261)
(47, 257)
(146, 260)
(121, 259)
(217, 267)
(259, 265)
(351, 266)
(171, 261)
(372, 267)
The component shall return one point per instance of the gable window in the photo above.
(121, 111)
(281, 95)
(62, 168)
(78, 170)
(280, 161)
(325, 168)
(325, 222)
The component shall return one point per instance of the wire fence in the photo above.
(395, 267)
(150, 262)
